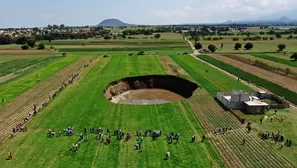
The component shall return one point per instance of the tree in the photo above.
(114, 37)
(64, 54)
(62, 26)
(212, 48)
(222, 45)
(281, 47)
(56, 26)
(249, 46)
(49, 26)
(278, 35)
(49, 37)
(107, 37)
(196, 38)
(294, 56)
(235, 39)
(41, 46)
(31, 43)
(157, 36)
(198, 46)
(5, 40)
(25, 47)
(123, 36)
(21, 40)
(271, 38)
(237, 46)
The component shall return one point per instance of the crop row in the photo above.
(275, 59)
(211, 115)
(288, 94)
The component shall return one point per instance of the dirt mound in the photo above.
(152, 89)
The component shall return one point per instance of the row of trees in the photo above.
(40, 46)
(237, 46)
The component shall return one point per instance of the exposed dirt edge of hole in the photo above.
(174, 84)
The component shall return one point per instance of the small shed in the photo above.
(255, 107)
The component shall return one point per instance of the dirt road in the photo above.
(270, 76)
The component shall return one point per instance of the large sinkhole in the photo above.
(151, 89)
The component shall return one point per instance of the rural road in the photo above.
(252, 85)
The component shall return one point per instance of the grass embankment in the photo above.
(289, 95)
(208, 77)
(11, 89)
(89, 108)
(14, 66)
(275, 59)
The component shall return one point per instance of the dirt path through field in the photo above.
(16, 110)
(270, 76)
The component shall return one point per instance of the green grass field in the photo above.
(89, 108)
(275, 59)
(82, 105)
(259, 46)
(13, 88)
(213, 80)
(14, 66)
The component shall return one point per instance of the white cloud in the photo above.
(187, 8)
(223, 10)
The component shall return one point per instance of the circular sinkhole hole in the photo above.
(151, 89)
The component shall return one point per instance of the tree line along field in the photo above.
(260, 46)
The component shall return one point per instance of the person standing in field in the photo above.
(243, 141)
(167, 155)
(9, 156)
(2, 101)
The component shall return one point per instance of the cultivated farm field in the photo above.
(82, 105)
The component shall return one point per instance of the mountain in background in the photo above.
(113, 23)
(282, 20)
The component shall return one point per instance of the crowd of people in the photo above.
(104, 136)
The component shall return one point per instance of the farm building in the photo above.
(248, 102)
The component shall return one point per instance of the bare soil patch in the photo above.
(146, 97)
(281, 80)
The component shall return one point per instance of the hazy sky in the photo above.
(30, 13)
